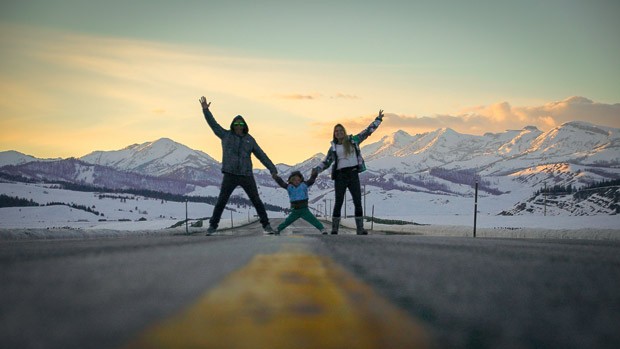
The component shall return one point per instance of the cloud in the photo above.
(496, 117)
(502, 115)
(316, 96)
(344, 96)
(579, 108)
(298, 96)
(122, 89)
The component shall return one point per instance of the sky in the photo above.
(79, 75)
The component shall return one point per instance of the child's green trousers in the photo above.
(304, 213)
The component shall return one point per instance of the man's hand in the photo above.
(314, 173)
(203, 102)
(380, 116)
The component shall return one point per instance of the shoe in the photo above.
(359, 225)
(268, 230)
(335, 225)
(211, 230)
(276, 232)
(324, 232)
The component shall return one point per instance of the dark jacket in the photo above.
(237, 150)
(332, 157)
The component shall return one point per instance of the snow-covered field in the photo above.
(123, 214)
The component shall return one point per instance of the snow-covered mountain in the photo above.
(162, 158)
(507, 153)
(512, 164)
(577, 142)
(12, 157)
(573, 142)
(78, 172)
(159, 158)
(587, 202)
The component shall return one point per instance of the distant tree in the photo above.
(556, 190)
(14, 201)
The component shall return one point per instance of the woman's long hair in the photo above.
(348, 147)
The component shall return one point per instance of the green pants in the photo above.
(304, 213)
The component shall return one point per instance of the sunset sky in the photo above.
(79, 76)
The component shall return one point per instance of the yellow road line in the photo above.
(288, 300)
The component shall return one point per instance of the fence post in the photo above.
(545, 199)
(475, 208)
(372, 221)
(365, 199)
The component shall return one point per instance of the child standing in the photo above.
(298, 195)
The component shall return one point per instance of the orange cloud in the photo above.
(503, 115)
(497, 117)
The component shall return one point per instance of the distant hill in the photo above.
(513, 165)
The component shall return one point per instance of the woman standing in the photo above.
(346, 156)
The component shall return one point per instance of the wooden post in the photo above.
(372, 222)
(364, 200)
(545, 199)
(475, 208)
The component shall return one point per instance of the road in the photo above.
(445, 291)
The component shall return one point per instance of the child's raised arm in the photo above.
(312, 178)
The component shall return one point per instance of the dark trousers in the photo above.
(229, 183)
(348, 178)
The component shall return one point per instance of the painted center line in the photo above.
(288, 300)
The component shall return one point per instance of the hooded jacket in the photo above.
(332, 156)
(237, 150)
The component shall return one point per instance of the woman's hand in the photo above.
(203, 102)
(380, 116)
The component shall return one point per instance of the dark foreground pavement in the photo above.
(468, 293)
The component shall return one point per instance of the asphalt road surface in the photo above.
(461, 292)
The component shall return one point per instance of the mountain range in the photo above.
(513, 164)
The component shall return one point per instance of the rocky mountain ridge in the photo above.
(441, 162)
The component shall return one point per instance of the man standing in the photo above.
(237, 147)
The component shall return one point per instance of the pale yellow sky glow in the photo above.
(66, 93)
(83, 93)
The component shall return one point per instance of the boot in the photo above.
(359, 224)
(335, 225)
